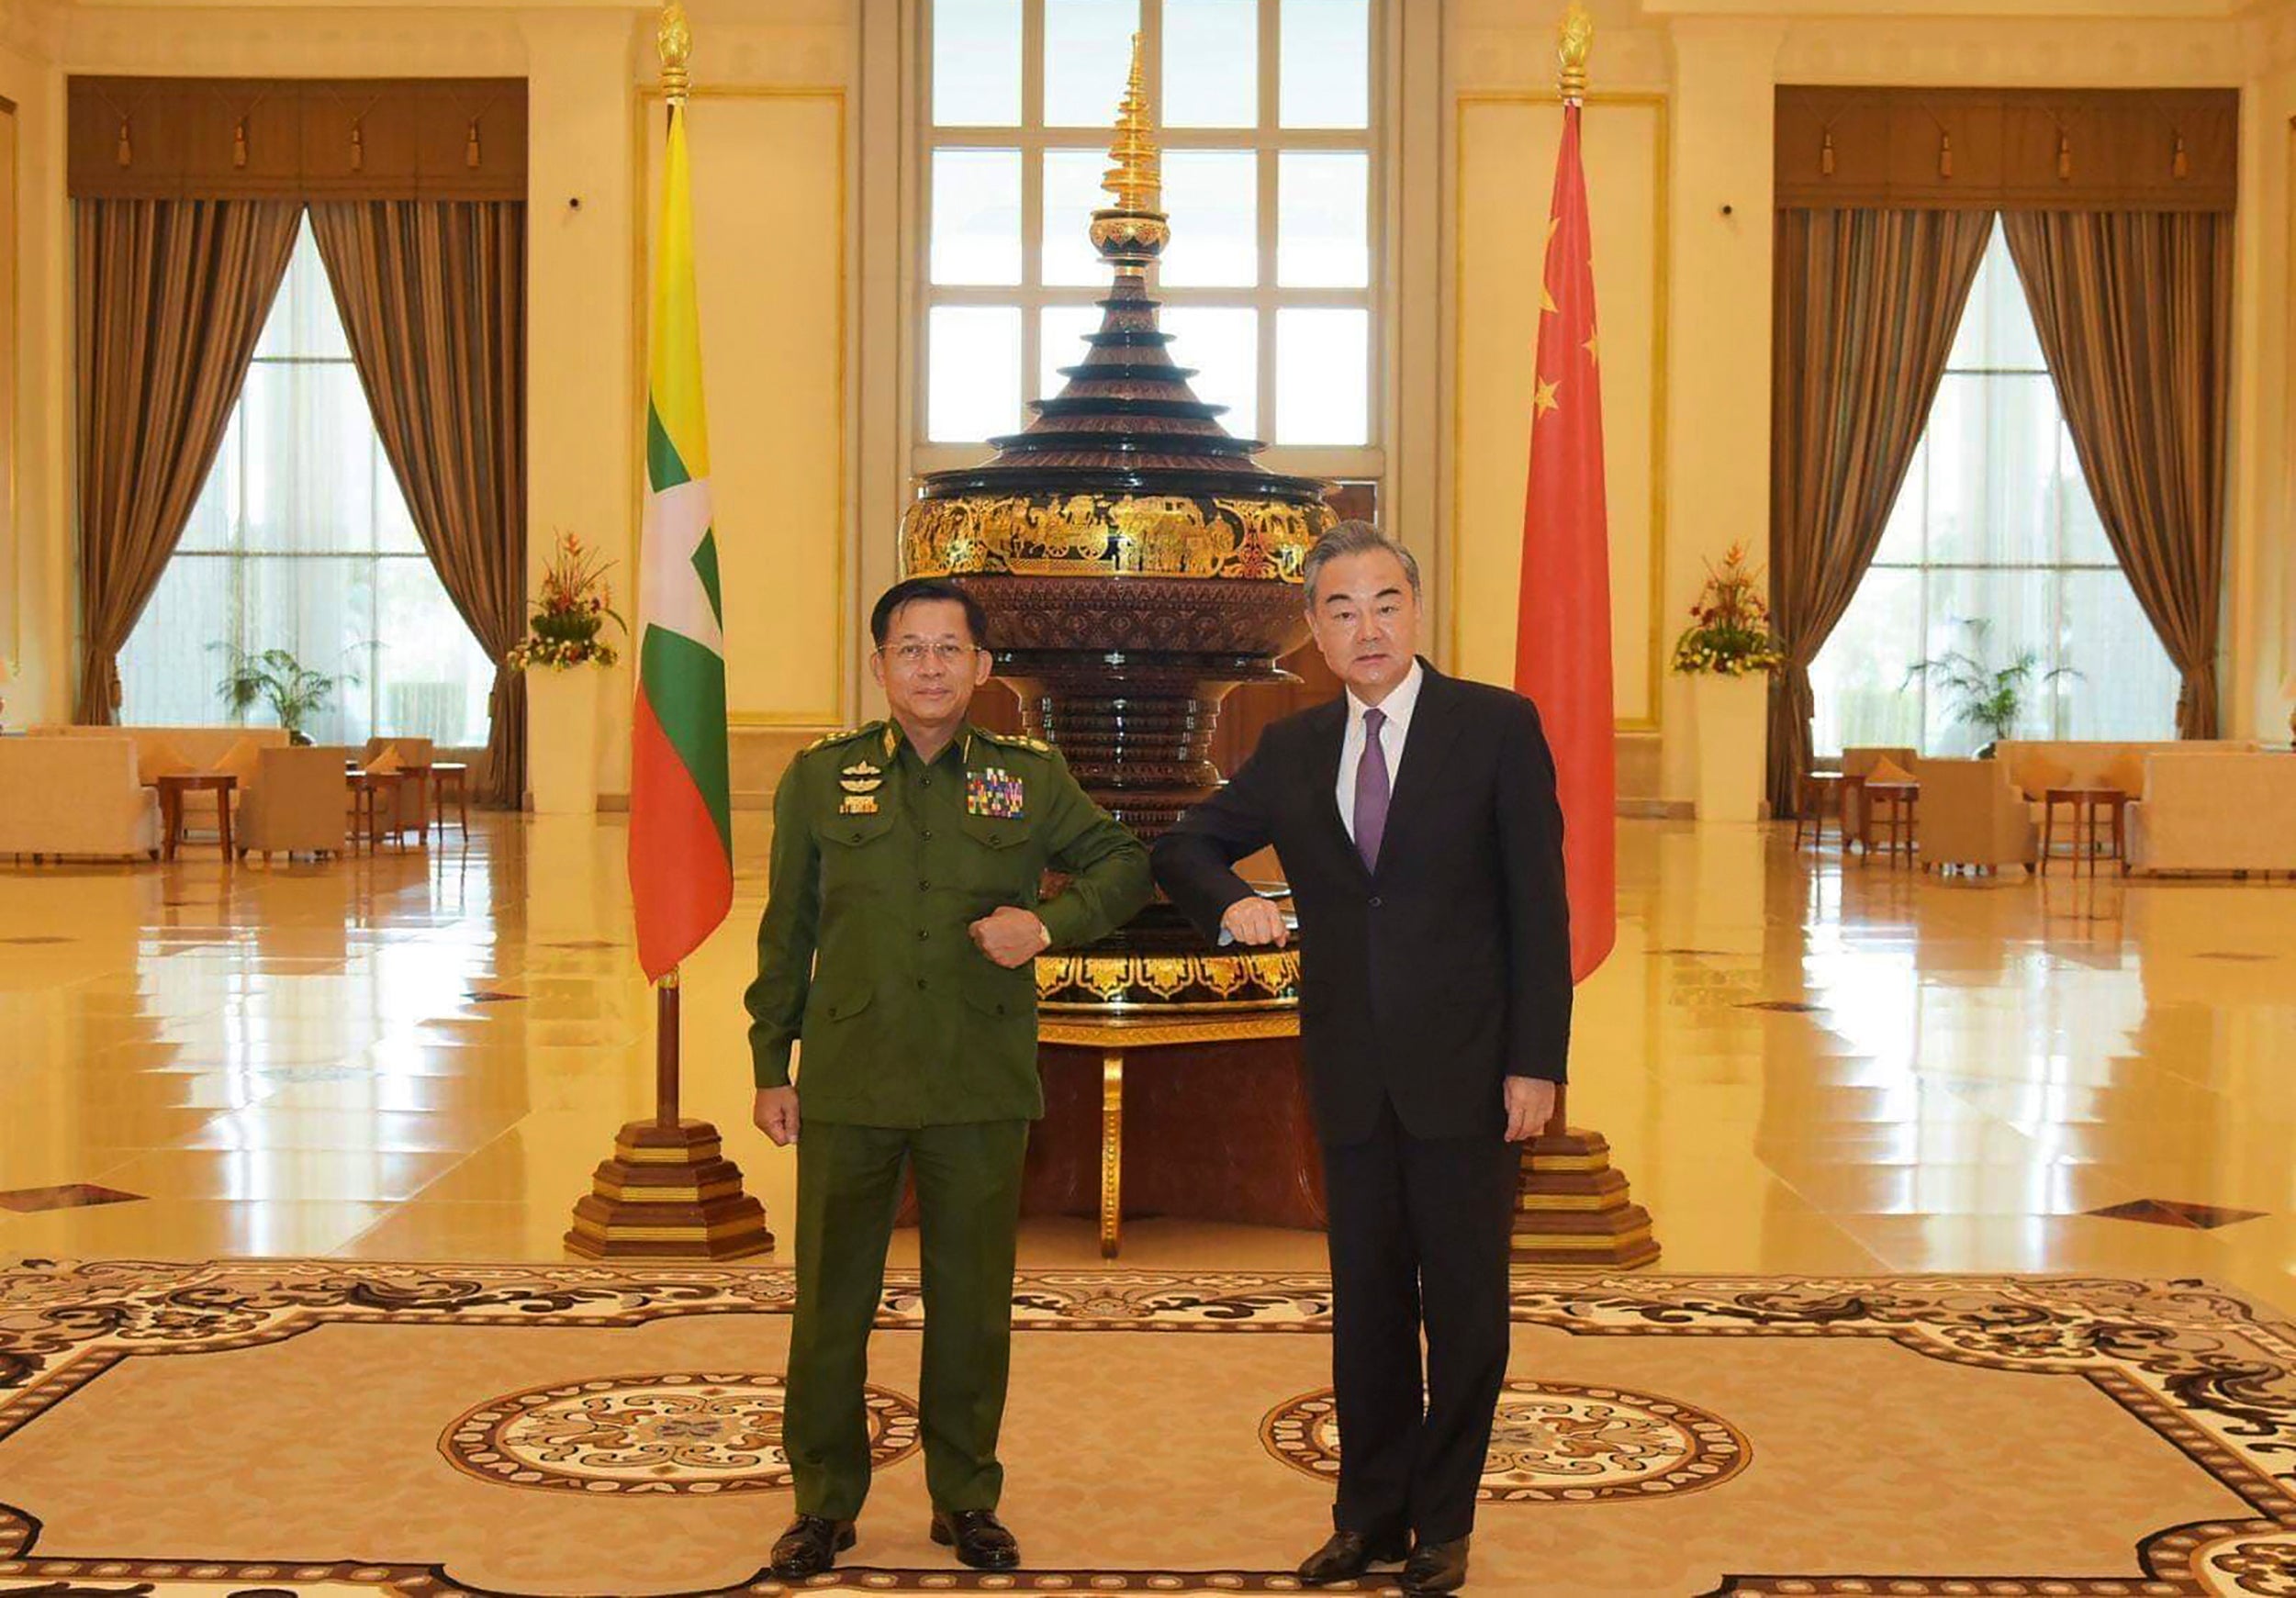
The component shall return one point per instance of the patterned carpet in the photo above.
(323, 1427)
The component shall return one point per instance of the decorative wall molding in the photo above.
(2015, 52)
(399, 42)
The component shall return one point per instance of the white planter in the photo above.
(1730, 721)
(562, 739)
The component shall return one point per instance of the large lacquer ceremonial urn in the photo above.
(1138, 565)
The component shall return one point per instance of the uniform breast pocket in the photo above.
(999, 858)
(856, 856)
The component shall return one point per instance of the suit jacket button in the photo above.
(1375, 901)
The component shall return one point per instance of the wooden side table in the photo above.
(2084, 802)
(173, 786)
(1890, 813)
(1820, 790)
(454, 774)
(374, 794)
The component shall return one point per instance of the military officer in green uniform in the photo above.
(896, 944)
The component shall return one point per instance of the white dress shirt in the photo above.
(1397, 708)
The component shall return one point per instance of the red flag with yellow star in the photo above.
(1563, 635)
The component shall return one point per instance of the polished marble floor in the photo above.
(1801, 1066)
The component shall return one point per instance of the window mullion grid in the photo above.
(1265, 298)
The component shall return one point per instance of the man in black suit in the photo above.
(1417, 820)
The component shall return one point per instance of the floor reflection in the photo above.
(1801, 1064)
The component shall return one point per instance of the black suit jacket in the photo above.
(1427, 981)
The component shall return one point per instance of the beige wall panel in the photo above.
(11, 536)
(769, 199)
(1506, 154)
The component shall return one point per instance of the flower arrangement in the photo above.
(1730, 631)
(573, 608)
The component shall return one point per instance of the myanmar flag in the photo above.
(681, 848)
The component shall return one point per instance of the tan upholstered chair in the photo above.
(74, 796)
(2220, 811)
(1969, 815)
(2037, 765)
(295, 805)
(1857, 763)
(181, 749)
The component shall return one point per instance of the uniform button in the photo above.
(1375, 901)
(924, 782)
(920, 982)
(928, 836)
(922, 884)
(922, 934)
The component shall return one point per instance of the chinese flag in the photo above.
(1562, 636)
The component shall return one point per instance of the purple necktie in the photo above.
(1371, 790)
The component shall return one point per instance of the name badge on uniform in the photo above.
(994, 792)
(861, 782)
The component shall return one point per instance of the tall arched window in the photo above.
(301, 540)
(1994, 551)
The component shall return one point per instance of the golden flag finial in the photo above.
(674, 42)
(1132, 232)
(1575, 42)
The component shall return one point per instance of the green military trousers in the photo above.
(968, 1201)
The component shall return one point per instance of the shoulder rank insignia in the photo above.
(1019, 741)
(861, 782)
(993, 791)
(838, 737)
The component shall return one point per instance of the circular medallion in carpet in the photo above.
(675, 1433)
(1552, 1442)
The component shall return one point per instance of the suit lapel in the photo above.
(1328, 737)
(1434, 726)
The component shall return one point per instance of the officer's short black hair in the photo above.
(917, 588)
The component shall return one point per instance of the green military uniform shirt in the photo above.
(881, 862)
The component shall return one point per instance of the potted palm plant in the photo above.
(1985, 696)
(296, 692)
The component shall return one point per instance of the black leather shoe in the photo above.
(810, 1546)
(1348, 1555)
(1435, 1568)
(979, 1538)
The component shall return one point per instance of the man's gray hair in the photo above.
(1353, 538)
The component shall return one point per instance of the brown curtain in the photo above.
(171, 297)
(1867, 302)
(2134, 309)
(433, 296)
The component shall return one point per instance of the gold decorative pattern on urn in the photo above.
(1164, 535)
(1255, 980)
